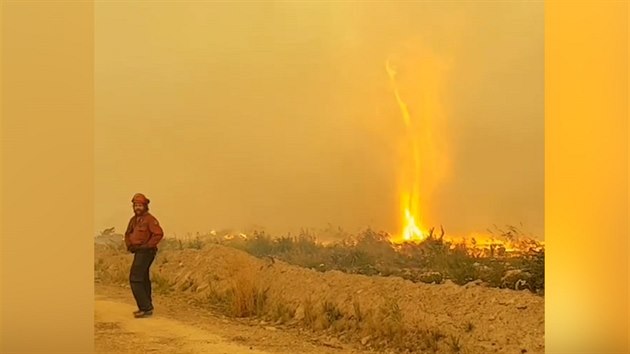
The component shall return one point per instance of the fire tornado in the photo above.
(423, 157)
(410, 198)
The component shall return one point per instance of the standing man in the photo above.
(141, 238)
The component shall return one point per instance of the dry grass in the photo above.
(246, 297)
(310, 316)
(358, 314)
(469, 327)
(160, 283)
(331, 312)
(455, 343)
(389, 320)
(281, 312)
(111, 273)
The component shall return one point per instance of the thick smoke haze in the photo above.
(282, 115)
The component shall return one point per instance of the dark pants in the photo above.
(140, 280)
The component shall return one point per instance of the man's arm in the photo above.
(128, 232)
(156, 233)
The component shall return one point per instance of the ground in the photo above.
(216, 298)
(178, 328)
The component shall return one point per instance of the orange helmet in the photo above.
(140, 198)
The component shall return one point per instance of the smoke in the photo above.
(282, 115)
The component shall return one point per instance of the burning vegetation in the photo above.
(503, 259)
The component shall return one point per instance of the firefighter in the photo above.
(141, 238)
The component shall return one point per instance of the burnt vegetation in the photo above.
(435, 260)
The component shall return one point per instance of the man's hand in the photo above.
(132, 248)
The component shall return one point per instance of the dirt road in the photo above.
(158, 335)
(180, 329)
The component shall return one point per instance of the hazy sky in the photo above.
(282, 115)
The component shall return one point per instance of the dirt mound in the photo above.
(377, 312)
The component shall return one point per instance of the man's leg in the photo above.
(134, 278)
(147, 277)
(137, 280)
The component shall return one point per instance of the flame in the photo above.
(411, 231)
(484, 244)
(411, 228)
(423, 165)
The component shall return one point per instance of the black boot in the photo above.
(142, 314)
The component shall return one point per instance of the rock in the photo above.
(521, 307)
(513, 277)
(473, 283)
(365, 340)
(333, 343)
(431, 277)
(521, 284)
(270, 328)
(299, 313)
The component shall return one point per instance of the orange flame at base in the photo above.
(411, 231)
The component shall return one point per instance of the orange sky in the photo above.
(282, 115)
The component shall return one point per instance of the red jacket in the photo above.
(143, 231)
